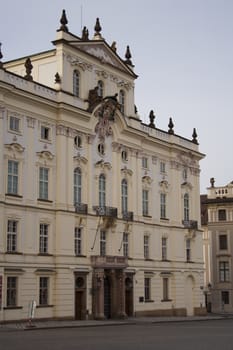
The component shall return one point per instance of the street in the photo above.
(199, 335)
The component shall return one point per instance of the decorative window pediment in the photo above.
(80, 159)
(126, 172)
(187, 185)
(147, 180)
(46, 155)
(101, 164)
(164, 184)
(15, 147)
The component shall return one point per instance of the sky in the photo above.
(182, 51)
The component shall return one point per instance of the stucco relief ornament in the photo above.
(106, 113)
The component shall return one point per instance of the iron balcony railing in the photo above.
(80, 208)
(106, 211)
(191, 224)
(127, 215)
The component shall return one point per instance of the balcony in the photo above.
(106, 211)
(127, 215)
(109, 262)
(190, 224)
(80, 208)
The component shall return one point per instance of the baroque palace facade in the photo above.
(99, 212)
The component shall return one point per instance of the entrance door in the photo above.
(129, 296)
(189, 286)
(107, 297)
(78, 305)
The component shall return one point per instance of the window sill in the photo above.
(164, 219)
(147, 216)
(44, 200)
(148, 259)
(166, 300)
(44, 254)
(80, 256)
(14, 195)
(12, 307)
(13, 253)
(42, 306)
(149, 301)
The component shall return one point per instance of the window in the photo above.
(124, 155)
(145, 162)
(185, 174)
(145, 202)
(225, 297)
(44, 230)
(163, 167)
(101, 149)
(44, 291)
(146, 247)
(165, 288)
(77, 186)
(125, 244)
(12, 236)
(102, 189)
(43, 183)
(164, 248)
(102, 243)
(186, 207)
(122, 101)
(222, 242)
(13, 177)
(14, 124)
(45, 133)
(11, 293)
(163, 205)
(78, 241)
(222, 215)
(188, 249)
(78, 141)
(147, 289)
(76, 83)
(224, 273)
(100, 90)
(124, 196)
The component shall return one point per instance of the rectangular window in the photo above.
(14, 123)
(165, 288)
(223, 242)
(225, 297)
(145, 162)
(162, 205)
(147, 289)
(164, 248)
(43, 183)
(12, 236)
(146, 247)
(125, 244)
(102, 243)
(13, 175)
(188, 249)
(224, 273)
(145, 202)
(163, 167)
(78, 241)
(11, 294)
(44, 291)
(44, 232)
(222, 215)
(45, 133)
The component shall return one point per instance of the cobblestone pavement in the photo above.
(50, 324)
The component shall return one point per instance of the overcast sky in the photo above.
(182, 51)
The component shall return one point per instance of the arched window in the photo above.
(100, 91)
(102, 190)
(76, 83)
(186, 207)
(122, 101)
(124, 196)
(77, 185)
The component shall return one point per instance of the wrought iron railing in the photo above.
(80, 208)
(106, 211)
(191, 224)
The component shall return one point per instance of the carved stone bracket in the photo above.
(78, 62)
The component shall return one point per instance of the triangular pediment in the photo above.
(103, 52)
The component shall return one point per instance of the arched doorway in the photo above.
(80, 297)
(189, 295)
(129, 296)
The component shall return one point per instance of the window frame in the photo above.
(122, 101)
(12, 292)
(44, 183)
(13, 120)
(146, 246)
(147, 289)
(125, 244)
(102, 190)
(76, 83)
(166, 289)
(44, 290)
(164, 241)
(12, 236)
(186, 207)
(124, 196)
(223, 243)
(13, 177)
(145, 202)
(77, 185)
(103, 243)
(100, 90)
(188, 249)
(163, 205)
(78, 241)
(224, 271)
(222, 215)
(44, 238)
(45, 133)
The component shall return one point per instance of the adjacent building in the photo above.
(217, 221)
(99, 211)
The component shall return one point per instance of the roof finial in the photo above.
(212, 181)
(113, 46)
(152, 118)
(1, 56)
(194, 135)
(28, 65)
(171, 126)
(128, 56)
(64, 22)
(97, 35)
